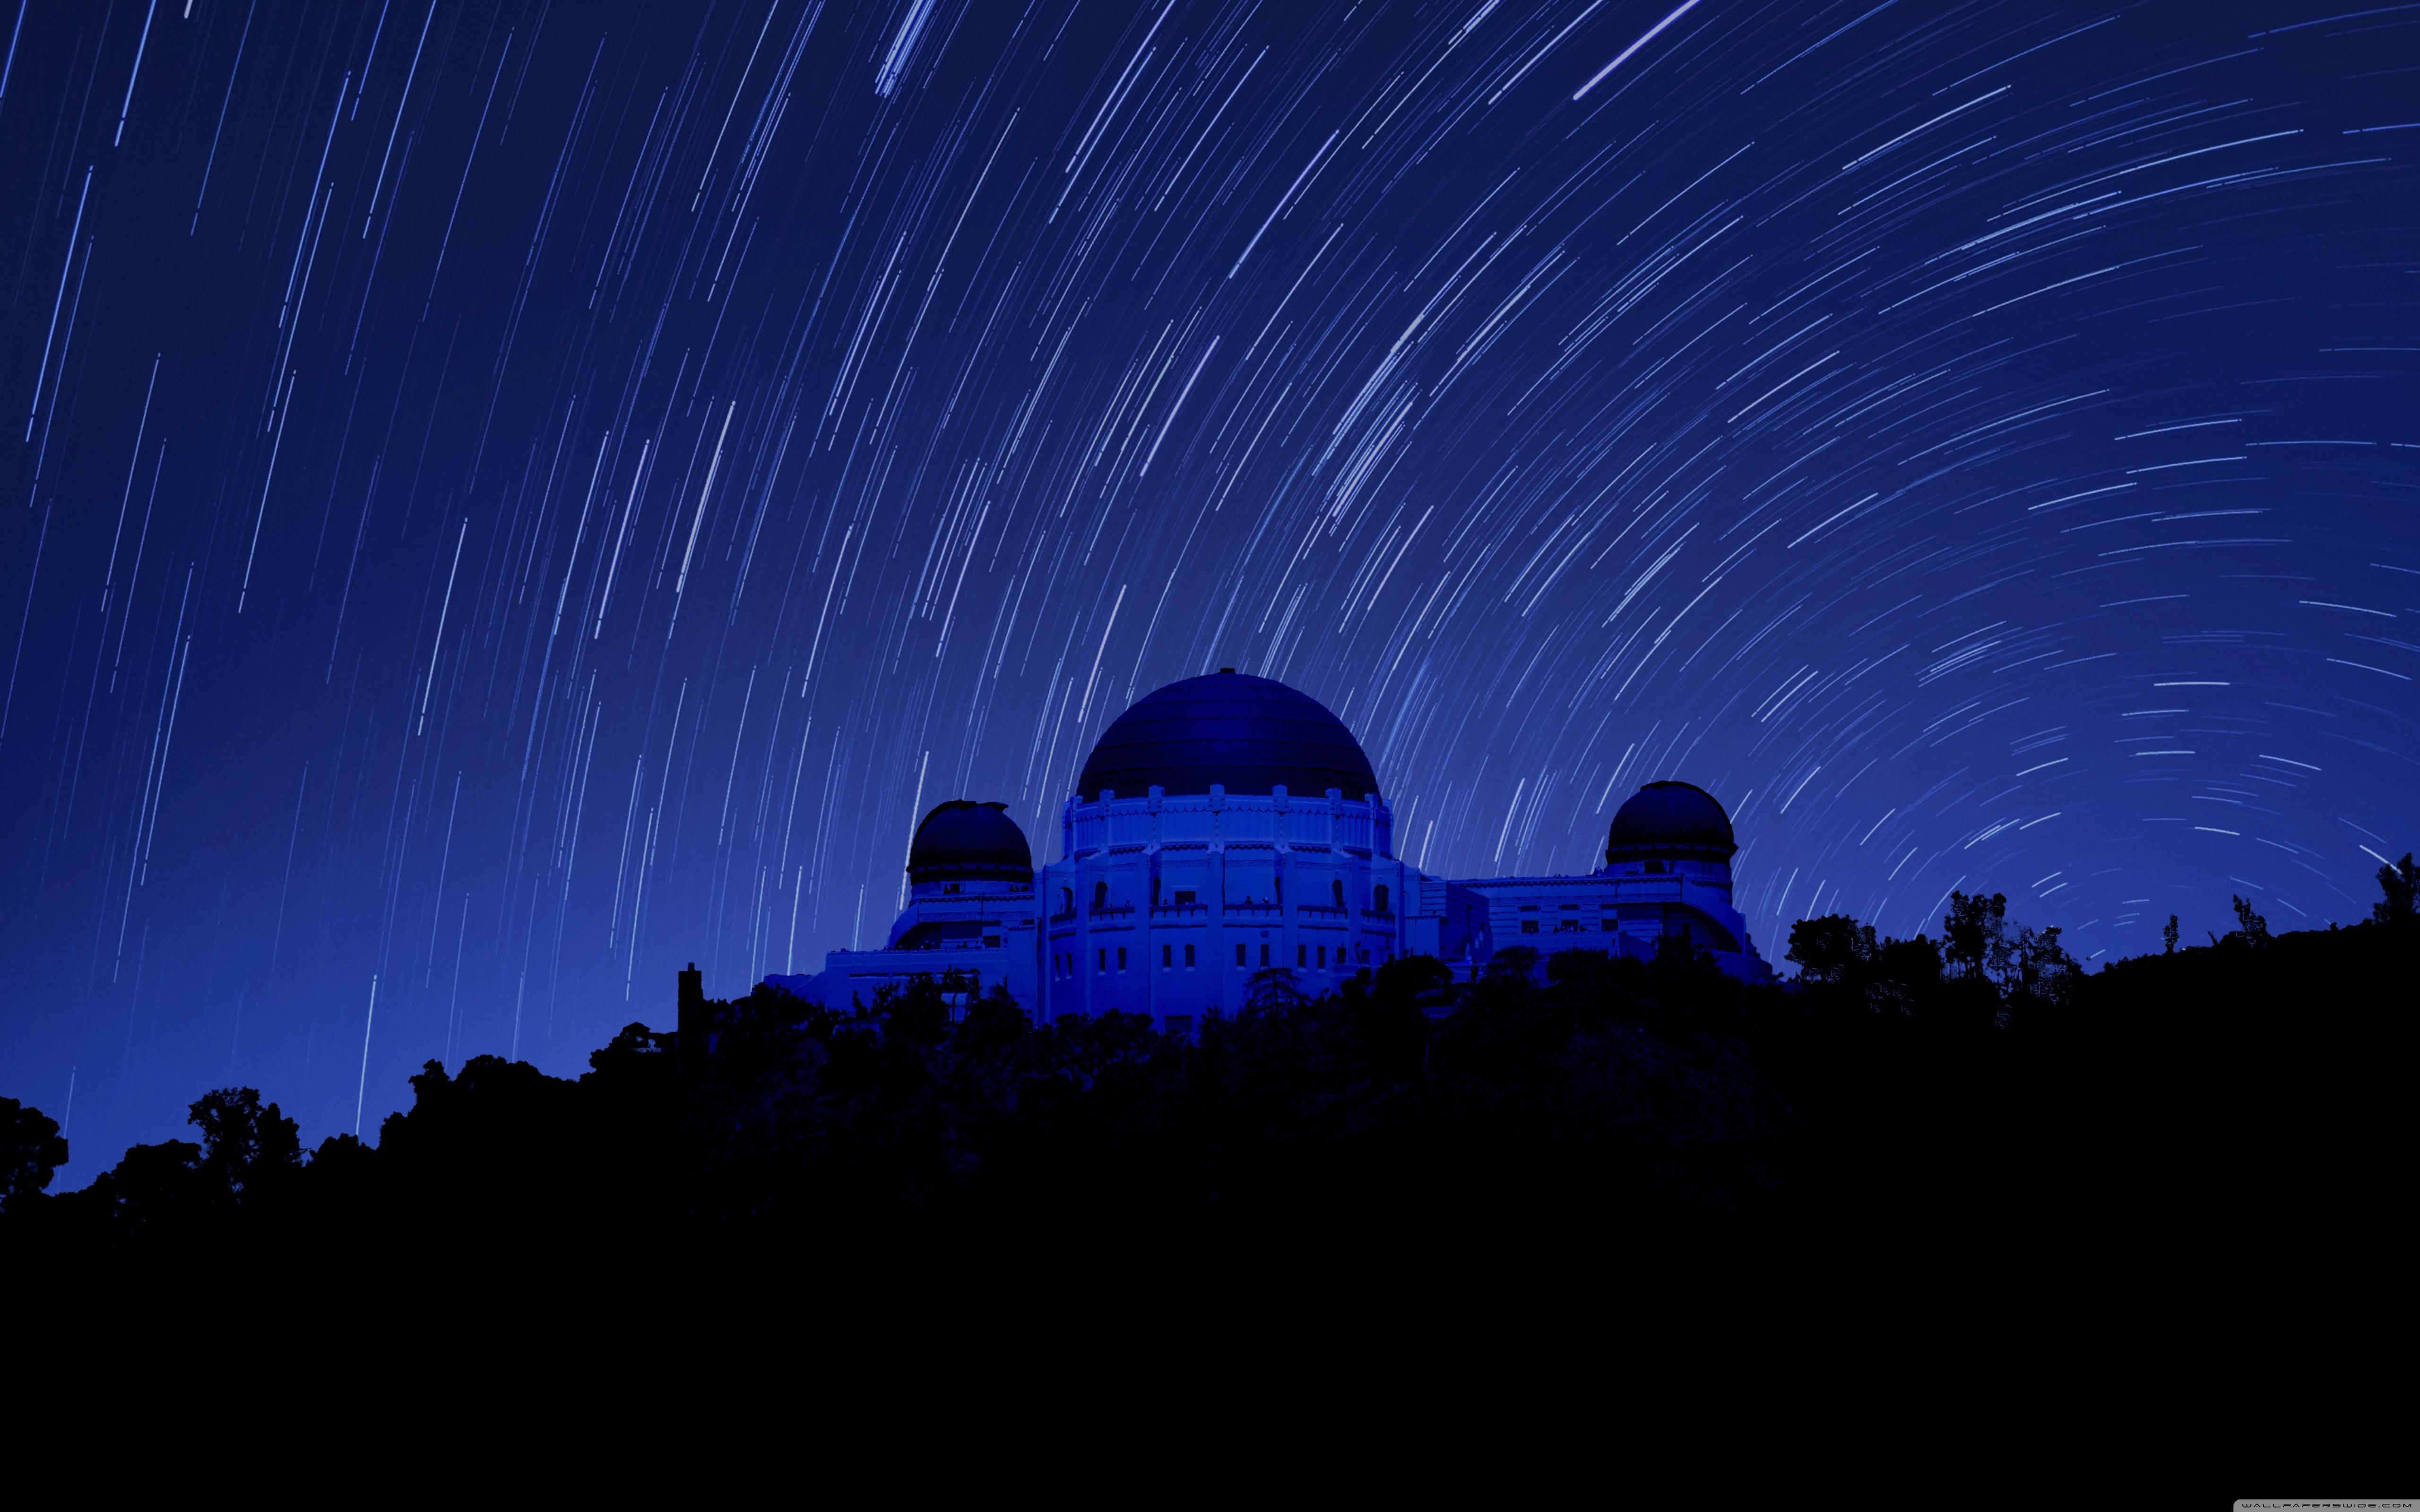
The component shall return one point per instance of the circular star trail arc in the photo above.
(513, 498)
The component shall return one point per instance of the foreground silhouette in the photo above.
(1979, 1089)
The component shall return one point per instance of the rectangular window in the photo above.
(1529, 926)
(1167, 955)
(1121, 958)
(1189, 955)
(1323, 955)
(1184, 897)
(1302, 955)
(1102, 963)
(1265, 955)
(1239, 953)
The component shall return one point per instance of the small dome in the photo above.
(1671, 822)
(964, 841)
(1246, 733)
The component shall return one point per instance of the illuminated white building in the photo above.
(1228, 824)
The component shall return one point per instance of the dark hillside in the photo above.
(2204, 1109)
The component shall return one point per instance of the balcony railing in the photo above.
(1180, 910)
(1107, 911)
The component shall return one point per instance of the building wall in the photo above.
(972, 935)
(1168, 906)
(1625, 909)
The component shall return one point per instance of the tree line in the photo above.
(1976, 1082)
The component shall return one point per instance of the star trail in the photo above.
(515, 496)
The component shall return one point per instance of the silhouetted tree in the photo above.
(2041, 972)
(245, 1146)
(31, 1151)
(1838, 953)
(153, 1189)
(1513, 961)
(1834, 949)
(1389, 1011)
(2402, 885)
(2250, 927)
(1974, 934)
(2168, 937)
(1272, 990)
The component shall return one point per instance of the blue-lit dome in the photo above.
(1671, 822)
(1246, 733)
(963, 842)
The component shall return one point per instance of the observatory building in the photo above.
(1226, 825)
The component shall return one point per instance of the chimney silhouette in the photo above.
(692, 1025)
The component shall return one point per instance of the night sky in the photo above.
(514, 498)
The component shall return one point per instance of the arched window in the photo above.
(1338, 888)
(1066, 900)
(1378, 898)
(1100, 896)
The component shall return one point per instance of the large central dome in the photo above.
(1246, 733)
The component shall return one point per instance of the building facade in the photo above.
(1228, 824)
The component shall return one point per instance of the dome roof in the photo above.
(1246, 733)
(964, 841)
(1671, 822)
